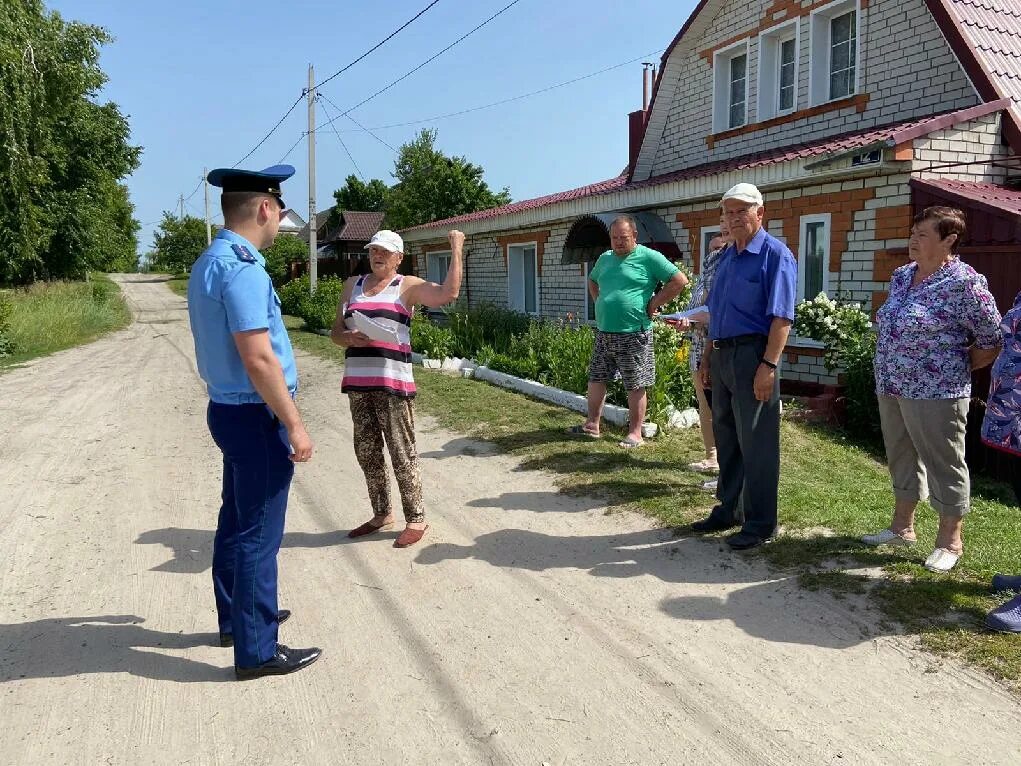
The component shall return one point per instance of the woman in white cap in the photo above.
(374, 324)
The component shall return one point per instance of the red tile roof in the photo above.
(889, 136)
(994, 29)
(359, 226)
(602, 187)
(1001, 198)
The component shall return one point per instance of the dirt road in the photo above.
(528, 628)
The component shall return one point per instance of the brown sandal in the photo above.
(368, 528)
(409, 537)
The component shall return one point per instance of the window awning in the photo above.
(589, 236)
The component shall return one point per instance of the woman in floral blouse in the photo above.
(1001, 430)
(938, 324)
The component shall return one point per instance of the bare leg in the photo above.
(596, 398)
(904, 518)
(636, 403)
(949, 534)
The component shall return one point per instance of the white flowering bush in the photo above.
(845, 329)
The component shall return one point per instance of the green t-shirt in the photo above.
(626, 286)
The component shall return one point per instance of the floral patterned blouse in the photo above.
(925, 332)
(1001, 427)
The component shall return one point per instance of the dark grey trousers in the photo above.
(747, 439)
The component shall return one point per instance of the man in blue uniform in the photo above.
(751, 309)
(244, 356)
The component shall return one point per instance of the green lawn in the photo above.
(831, 492)
(51, 316)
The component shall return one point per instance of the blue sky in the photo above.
(203, 82)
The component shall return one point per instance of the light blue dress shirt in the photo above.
(229, 291)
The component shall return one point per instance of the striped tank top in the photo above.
(380, 366)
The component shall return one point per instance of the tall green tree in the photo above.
(355, 194)
(430, 185)
(177, 243)
(62, 154)
(285, 250)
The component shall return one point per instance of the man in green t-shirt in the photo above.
(622, 284)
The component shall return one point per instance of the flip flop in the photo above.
(368, 528)
(581, 431)
(629, 443)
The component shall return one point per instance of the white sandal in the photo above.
(942, 560)
(886, 537)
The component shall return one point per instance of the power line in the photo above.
(508, 100)
(293, 147)
(346, 150)
(274, 128)
(428, 60)
(365, 129)
(380, 44)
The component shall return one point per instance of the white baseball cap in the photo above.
(388, 240)
(744, 193)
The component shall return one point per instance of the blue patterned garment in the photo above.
(699, 296)
(1001, 427)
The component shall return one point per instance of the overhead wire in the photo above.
(508, 100)
(346, 150)
(380, 44)
(432, 58)
(365, 129)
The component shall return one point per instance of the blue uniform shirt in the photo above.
(229, 291)
(752, 287)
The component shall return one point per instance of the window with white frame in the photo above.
(708, 233)
(814, 256)
(730, 97)
(436, 265)
(778, 70)
(523, 278)
(834, 67)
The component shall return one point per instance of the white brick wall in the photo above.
(975, 141)
(906, 68)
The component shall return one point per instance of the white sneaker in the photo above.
(886, 537)
(942, 560)
(710, 486)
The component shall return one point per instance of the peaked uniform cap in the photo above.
(265, 181)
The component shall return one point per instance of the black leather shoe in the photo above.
(286, 660)
(711, 524)
(227, 639)
(742, 541)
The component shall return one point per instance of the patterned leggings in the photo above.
(379, 416)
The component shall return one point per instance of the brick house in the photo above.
(848, 115)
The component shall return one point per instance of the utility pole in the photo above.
(312, 276)
(180, 205)
(209, 228)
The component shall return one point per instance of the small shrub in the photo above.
(430, 340)
(527, 368)
(292, 293)
(320, 310)
(674, 385)
(846, 331)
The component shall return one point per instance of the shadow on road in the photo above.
(71, 646)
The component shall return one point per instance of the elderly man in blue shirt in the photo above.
(245, 358)
(751, 309)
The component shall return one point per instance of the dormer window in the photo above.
(730, 102)
(834, 68)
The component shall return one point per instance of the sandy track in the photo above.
(529, 628)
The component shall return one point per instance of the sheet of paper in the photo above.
(375, 331)
(686, 314)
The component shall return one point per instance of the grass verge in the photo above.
(179, 284)
(831, 492)
(51, 316)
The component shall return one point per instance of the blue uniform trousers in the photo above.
(257, 473)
